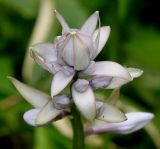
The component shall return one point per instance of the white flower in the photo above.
(72, 53)
(46, 109)
(109, 118)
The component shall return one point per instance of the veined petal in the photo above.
(30, 116)
(47, 113)
(90, 24)
(74, 51)
(110, 113)
(135, 72)
(104, 34)
(35, 97)
(109, 69)
(45, 55)
(59, 82)
(62, 21)
(85, 102)
(134, 122)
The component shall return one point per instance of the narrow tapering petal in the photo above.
(104, 34)
(65, 27)
(90, 24)
(110, 113)
(30, 116)
(135, 72)
(59, 82)
(45, 55)
(85, 102)
(109, 69)
(47, 114)
(134, 122)
(35, 97)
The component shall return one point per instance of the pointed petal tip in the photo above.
(55, 11)
(10, 78)
(97, 12)
(110, 113)
(135, 72)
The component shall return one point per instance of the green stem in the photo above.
(78, 133)
(77, 125)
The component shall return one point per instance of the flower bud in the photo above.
(61, 101)
(75, 49)
(81, 85)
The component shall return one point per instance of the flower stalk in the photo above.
(77, 126)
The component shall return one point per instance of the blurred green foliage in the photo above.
(134, 41)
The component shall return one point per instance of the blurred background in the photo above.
(134, 42)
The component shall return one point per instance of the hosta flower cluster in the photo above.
(70, 58)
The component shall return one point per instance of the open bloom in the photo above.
(73, 53)
(70, 58)
(108, 117)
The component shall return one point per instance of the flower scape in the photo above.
(70, 58)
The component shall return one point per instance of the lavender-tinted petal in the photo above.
(30, 116)
(61, 101)
(90, 24)
(90, 69)
(74, 51)
(85, 102)
(103, 37)
(119, 73)
(134, 122)
(59, 82)
(65, 27)
(35, 97)
(81, 85)
(67, 70)
(45, 55)
(47, 114)
(101, 82)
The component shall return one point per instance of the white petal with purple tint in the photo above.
(59, 82)
(35, 97)
(85, 102)
(104, 34)
(30, 116)
(47, 113)
(74, 51)
(65, 27)
(90, 24)
(119, 74)
(45, 55)
(134, 122)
